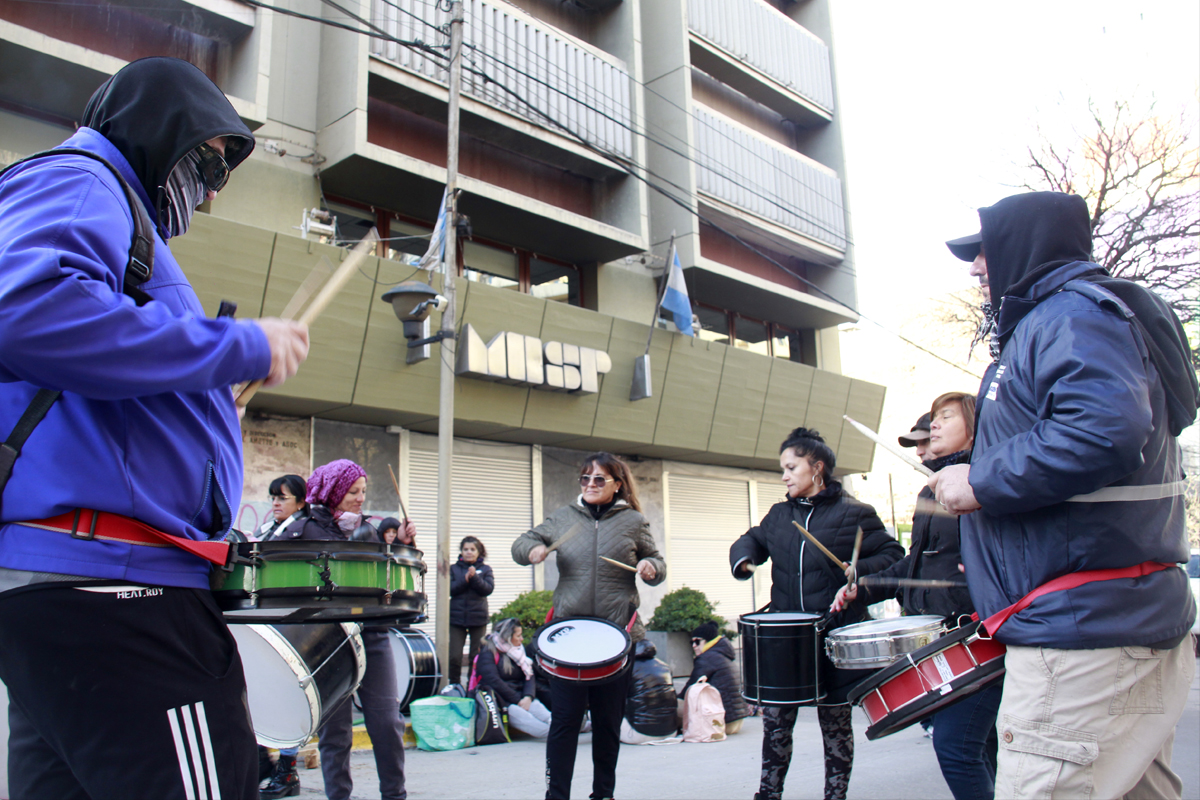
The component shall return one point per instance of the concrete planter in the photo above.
(675, 648)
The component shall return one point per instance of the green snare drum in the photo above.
(322, 581)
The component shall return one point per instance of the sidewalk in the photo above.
(898, 767)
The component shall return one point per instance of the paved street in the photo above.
(896, 767)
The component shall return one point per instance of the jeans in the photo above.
(964, 738)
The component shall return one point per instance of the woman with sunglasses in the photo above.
(288, 507)
(805, 580)
(605, 520)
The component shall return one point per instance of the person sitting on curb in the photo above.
(715, 661)
(503, 667)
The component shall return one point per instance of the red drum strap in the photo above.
(1069, 581)
(84, 523)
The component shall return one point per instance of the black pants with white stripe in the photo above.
(124, 693)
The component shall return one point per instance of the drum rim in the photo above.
(752, 618)
(982, 677)
(540, 654)
(291, 657)
(910, 660)
(845, 633)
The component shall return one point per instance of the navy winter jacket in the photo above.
(1074, 404)
(468, 598)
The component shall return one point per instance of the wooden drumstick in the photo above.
(334, 285)
(620, 564)
(313, 282)
(841, 564)
(396, 483)
(854, 558)
(562, 539)
(933, 583)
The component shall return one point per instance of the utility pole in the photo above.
(446, 399)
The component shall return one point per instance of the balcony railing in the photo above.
(520, 65)
(757, 34)
(764, 178)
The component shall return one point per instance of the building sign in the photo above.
(521, 360)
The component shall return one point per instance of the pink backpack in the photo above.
(703, 713)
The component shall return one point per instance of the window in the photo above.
(491, 265)
(714, 324)
(559, 282)
(765, 338)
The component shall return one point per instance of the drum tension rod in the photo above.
(324, 573)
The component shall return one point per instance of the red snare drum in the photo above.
(927, 680)
(583, 649)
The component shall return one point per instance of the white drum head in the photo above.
(282, 712)
(582, 642)
(891, 625)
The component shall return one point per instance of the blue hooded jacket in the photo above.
(1074, 404)
(146, 426)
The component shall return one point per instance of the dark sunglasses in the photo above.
(697, 641)
(214, 171)
(595, 480)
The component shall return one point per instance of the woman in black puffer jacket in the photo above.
(471, 582)
(816, 501)
(715, 660)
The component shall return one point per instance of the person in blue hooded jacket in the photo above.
(123, 678)
(1076, 474)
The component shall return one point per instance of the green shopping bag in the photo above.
(443, 723)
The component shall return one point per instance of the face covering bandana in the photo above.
(185, 192)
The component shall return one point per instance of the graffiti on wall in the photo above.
(270, 447)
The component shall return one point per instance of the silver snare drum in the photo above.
(879, 642)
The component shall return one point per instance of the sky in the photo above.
(939, 99)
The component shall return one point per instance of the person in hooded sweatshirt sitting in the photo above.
(715, 661)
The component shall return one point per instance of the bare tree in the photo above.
(1140, 176)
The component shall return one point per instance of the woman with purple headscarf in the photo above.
(336, 492)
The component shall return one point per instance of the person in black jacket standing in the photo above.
(471, 581)
(816, 501)
(964, 734)
(715, 661)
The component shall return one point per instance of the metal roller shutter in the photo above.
(705, 516)
(496, 517)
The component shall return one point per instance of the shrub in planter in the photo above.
(530, 608)
(684, 610)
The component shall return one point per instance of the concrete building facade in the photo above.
(592, 132)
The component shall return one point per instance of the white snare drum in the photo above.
(879, 642)
(583, 649)
(296, 675)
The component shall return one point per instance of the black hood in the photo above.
(1028, 236)
(157, 110)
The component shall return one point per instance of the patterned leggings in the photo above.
(836, 735)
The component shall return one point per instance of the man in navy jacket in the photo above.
(123, 679)
(1076, 472)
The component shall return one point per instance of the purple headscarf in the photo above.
(328, 484)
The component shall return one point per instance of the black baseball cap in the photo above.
(967, 247)
(918, 434)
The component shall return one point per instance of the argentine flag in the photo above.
(675, 298)
(435, 255)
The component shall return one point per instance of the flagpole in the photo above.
(662, 290)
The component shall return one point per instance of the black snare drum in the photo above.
(780, 658)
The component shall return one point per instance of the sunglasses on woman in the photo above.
(594, 480)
